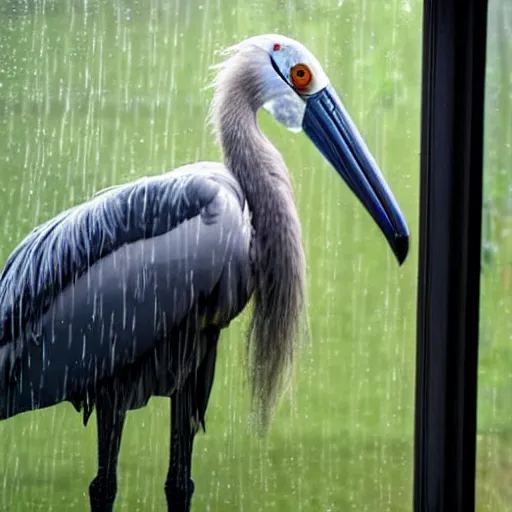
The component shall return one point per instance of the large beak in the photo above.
(328, 125)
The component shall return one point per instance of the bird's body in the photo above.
(118, 279)
(124, 296)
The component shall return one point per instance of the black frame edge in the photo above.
(454, 52)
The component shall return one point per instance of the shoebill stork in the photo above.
(123, 297)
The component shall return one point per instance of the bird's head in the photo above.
(287, 80)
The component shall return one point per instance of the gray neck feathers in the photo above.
(279, 295)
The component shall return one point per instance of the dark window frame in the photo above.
(454, 52)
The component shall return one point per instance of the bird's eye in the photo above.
(301, 76)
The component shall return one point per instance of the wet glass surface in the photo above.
(494, 441)
(94, 93)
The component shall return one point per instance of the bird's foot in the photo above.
(179, 498)
(102, 494)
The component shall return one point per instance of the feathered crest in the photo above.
(218, 74)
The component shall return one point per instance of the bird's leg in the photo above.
(110, 418)
(179, 486)
(188, 409)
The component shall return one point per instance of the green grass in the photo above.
(101, 94)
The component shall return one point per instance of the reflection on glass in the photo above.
(494, 462)
(100, 92)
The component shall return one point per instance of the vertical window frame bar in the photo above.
(454, 52)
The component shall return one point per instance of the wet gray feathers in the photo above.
(280, 290)
(67, 245)
(60, 250)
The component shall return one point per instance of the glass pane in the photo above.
(494, 478)
(99, 92)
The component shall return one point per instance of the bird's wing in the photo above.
(61, 250)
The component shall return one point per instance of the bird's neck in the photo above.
(258, 167)
(279, 265)
(265, 181)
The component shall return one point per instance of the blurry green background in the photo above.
(494, 465)
(99, 92)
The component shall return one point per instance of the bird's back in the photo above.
(90, 292)
(63, 248)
